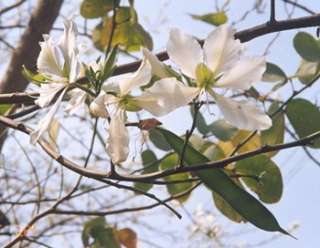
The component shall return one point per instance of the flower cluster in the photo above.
(154, 87)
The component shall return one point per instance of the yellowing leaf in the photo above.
(128, 33)
(216, 19)
(127, 237)
(95, 8)
(252, 144)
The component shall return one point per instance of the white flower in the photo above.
(60, 64)
(45, 123)
(220, 64)
(163, 97)
(60, 61)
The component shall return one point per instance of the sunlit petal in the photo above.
(158, 68)
(221, 49)
(50, 60)
(243, 74)
(141, 77)
(75, 69)
(118, 140)
(47, 93)
(165, 96)
(98, 106)
(243, 115)
(184, 51)
(44, 123)
(67, 43)
(77, 100)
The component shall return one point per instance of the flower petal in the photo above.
(50, 60)
(44, 123)
(118, 140)
(185, 51)
(165, 96)
(76, 70)
(141, 77)
(47, 93)
(158, 68)
(221, 49)
(243, 115)
(77, 100)
(67, 43)
(98, 106)
(244, 73)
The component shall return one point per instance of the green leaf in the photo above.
(35, 78)
(150, 164)
(4, 108)
(214, 153)
(103, 235)
(304, 118)
(222, 130)
(307, 71)
(274, 74)
(95, 8)
(170, 162)
(307, 46)
(128, 34)
(269, 187)
(219, 182)
(275, 134)
(225, 208)
(158, 140)
(216, 19)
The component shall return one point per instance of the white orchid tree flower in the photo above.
(162, 97)
(60, 64)
(220, 64)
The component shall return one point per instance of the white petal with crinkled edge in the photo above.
(98, 106)
(221, 49)
(47, 93)
(158, 68)
(44, 123)
(50, 60)
(75, 69)
(165, 96)
(141, 77)
(243, 74)
(67, 43)
(185, 51)
(118, 140)
(77, 100)
(243, 115)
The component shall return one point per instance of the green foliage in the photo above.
(170, 162)
(35, 78)
(158, 140)
(216, 19)
(103, 235)
(307, 71)
(201, 123)
(267, 183)
(222, 130)
(275, 134)
(304, 118)
(307, 46)
(128, 34)
(219, 182)
(95, 8)
(274, 74)
(150, 164)
(4, 108)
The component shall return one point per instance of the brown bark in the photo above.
(41, 22)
